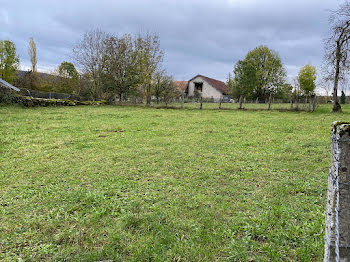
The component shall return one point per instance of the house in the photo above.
(207, 87)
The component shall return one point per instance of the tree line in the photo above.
(261, 76)
(111, 67)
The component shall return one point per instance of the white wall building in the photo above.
(209, 88)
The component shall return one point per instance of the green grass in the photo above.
(145, 184)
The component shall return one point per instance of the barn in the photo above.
(207, 87)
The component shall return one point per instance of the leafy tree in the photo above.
(149, 57)
(120, 69)
(68, 70)
(270, 73)
(245, 80)
(170, 90)
(284, 92)
(68, 80)
(164, 87)
(343, 98)
(9, 61)
(307, 78)
(158, 84)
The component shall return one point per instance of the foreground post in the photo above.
(337, 234)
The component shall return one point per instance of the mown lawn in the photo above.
(143, 184)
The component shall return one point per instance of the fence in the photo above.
(337, 233)
(224, 105)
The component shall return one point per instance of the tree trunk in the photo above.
(310, 105)
(148, 99)
(240, 102)
(201, 101)
(220, 102)
(291, 102)
(270, 100)
(312, 102)
(148, 94)
(182, 100)
(336, 105)
(297, 102)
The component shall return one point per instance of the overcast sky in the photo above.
(198, 37)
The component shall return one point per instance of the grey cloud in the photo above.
(205, 37)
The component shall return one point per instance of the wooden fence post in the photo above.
(337, 233)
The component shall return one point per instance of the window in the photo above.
(198, 87)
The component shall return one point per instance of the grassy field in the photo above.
(144, 184)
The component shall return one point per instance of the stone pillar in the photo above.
(337, 234)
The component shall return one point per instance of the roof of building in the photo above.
(7, 85)
(219, 85)
(181, 85)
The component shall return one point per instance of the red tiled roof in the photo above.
(182, 85)
(219, 85)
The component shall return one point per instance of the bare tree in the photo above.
(337, 47)
(32, 54)
(88, 55)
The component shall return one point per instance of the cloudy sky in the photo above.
(198, 36)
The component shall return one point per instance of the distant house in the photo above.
(209, 88)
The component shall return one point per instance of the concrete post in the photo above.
(337, 235)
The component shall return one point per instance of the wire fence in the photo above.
(222, 106)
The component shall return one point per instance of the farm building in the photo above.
(209, 88)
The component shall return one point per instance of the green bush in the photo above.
(343, 98)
